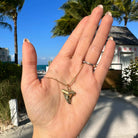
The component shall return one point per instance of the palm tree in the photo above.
(126, 10)
(10, 8)
(75, 10)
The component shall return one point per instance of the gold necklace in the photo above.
(68, 93)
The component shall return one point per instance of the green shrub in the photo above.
(130, 78)
(10, 79)
(8, 69)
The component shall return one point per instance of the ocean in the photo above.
(41, 67)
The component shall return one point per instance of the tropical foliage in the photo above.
(75, 10)
(10, 80)
(4, 24)
(130, 79)
(126, 10)
(10, 9)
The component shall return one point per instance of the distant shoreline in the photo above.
(41, 67)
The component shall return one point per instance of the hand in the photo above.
(46, 106)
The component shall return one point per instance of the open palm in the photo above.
(46, 106)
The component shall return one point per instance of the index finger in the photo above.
(70, 45)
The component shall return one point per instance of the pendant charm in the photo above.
(68, 94)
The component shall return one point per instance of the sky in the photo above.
(35, 22)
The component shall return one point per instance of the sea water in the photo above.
(41, 67)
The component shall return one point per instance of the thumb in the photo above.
(29, 73)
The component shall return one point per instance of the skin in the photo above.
(51, 115)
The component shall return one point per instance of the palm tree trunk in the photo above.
(15, 38)
(125, 19)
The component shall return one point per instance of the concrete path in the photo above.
(115, 116)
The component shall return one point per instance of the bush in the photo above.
(130, 78)
(10, 79)
(8, 69)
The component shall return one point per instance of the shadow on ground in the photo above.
(136, 136)
(112, 117)
(24, 122)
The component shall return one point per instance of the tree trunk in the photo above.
(126, 19)
(15, 38)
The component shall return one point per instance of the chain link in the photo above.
(68, 85)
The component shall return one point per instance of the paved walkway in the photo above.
(115, 116)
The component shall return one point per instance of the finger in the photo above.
(100, 39)
(105, 62)
(29, 73)
(70, 45)
(88, 33)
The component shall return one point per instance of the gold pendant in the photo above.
(68, 94)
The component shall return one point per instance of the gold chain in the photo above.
(68, 94)
(68, 84)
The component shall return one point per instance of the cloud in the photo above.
(44, 60)
(12, 57)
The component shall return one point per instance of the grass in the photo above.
(9, 89)
(10, 79)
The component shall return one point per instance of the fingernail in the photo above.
(85, 18)
(100, 6)
(109, 13)
(26, 40)
(111, 38)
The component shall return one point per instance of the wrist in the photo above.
(43, 133)
(39, 133)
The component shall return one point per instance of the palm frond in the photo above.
(75, 10)
(9, 7)
(64, 26)
(134, 16)
(128, 10)
(5, 25)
